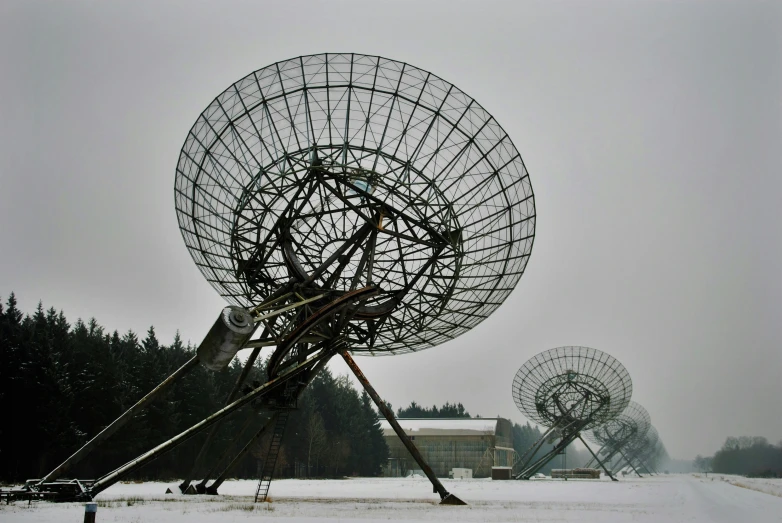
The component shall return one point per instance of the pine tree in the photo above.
(377, 449)
(11, 391)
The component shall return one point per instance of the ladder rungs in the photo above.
(271, 456)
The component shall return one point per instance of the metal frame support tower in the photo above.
(342, 204)
(569, 390)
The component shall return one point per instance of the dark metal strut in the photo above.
(446, 498)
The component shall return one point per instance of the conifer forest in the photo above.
(61, 383)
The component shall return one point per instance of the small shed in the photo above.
(501, 473)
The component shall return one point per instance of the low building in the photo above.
(447, 443)
(580, 473)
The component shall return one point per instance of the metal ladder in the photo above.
(271, 456)
(288, 402)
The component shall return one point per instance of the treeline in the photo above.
(449, 410)
(746, 456)
(62, 383)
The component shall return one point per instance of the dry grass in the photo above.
(756, 488)
(123, 502)
(245, 507)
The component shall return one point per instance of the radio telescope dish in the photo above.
(616, 434)
(569, 390)
(642, 451)
(643, 443)
(633, 422)
(342, 171)
(590, 382)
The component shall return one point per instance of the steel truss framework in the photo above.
(632, 424)
(569, 390)
(293, 159)
(341, 203)
(643, 453)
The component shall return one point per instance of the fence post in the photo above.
(90, 509)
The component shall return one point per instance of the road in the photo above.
(711, 499)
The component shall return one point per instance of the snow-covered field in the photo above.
(649, 499)
(769, 486)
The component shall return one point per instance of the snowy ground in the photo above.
(650, 499)
(769, 486)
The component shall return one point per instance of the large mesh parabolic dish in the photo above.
(632, 423)
(643, 444)
(320, 145)
(557, 379)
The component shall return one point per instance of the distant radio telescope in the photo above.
(568, 390)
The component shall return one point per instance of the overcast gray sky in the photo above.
(651, 131)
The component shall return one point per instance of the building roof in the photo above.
(443, 426)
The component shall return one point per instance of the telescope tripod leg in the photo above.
(121, 420)
(597, 459)
(212, 489)
(446, 498)
(201, 487)
(629, 462)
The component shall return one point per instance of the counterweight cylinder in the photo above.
(229, 333)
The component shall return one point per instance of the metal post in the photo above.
(90, 510)
(627, 461)
(599, 451)
(119, 422)
(446, 498)
(608, 455)
(598, 460)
